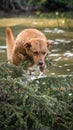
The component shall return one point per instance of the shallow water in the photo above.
(62, 57)
(61, 52)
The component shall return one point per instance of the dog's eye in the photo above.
(35, 53)
(43, 52)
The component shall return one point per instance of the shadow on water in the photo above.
(61, 52)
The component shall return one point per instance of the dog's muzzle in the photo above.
(41, 63)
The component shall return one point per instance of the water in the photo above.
(62, 57)
(61, 52)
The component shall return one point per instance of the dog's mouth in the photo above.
(41, 68)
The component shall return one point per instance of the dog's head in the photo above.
(37, 49)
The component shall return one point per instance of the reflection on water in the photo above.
(61, 54)
(2, 53)
(55, 30)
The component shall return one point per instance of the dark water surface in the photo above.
(61, 52)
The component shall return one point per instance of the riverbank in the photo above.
(38, 19)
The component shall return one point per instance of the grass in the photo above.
(37, 22)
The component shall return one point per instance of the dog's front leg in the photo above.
(17, 58)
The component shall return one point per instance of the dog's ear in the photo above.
(49, 44)
(27, 45)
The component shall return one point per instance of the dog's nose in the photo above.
(41, 63)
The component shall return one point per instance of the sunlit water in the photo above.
(61, 54)
(62, 58)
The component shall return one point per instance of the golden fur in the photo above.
(29, 42)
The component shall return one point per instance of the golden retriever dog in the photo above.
(29, 42)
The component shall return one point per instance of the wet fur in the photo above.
(29, 42)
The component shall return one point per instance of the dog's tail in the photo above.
(9, 43)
